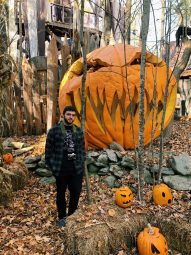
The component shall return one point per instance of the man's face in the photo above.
(69, 117)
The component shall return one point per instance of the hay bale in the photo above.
(12, 178)
(92, 230)
(104, 236)
(178, 234)
(20, 175)
(6, 189)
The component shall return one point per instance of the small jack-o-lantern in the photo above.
(123, 197)
(8, 158)
(162, 194)
(150, 242)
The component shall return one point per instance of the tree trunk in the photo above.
(167, 56)
(107, 21)
(144, 33)
(83, 101)
(128, 21)
(162, 28)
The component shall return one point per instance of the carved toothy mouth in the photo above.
(111, 97)
(127, 202)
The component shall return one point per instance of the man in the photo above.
(65, 156)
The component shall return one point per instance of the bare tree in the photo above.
(144, 33)
(128, 20)
(162, 27)
(83, 101)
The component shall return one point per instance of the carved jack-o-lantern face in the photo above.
(162, 194)
(123, 197)
(112, 94)
(152, 244)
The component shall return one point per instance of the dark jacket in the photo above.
(54, 149)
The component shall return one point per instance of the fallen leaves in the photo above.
(111, 212)
(28, 224)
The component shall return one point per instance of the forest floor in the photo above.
(28, 224)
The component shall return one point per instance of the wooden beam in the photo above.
(27, 95)
(36, 101)
(25, 20)
(18, 108)
(59, 24)
(40, 63)
(32, 27)
(13, 30)
(41, 26)
(65, 52)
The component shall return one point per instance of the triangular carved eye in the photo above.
(154, 249)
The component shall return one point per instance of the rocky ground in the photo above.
(28, 223)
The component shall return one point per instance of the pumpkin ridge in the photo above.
(110, 100)
(122, 80)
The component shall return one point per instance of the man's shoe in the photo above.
(62, 223)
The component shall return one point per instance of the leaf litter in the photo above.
(29, 222)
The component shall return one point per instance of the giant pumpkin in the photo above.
(112, 89)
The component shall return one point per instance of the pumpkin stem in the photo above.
(150, 230)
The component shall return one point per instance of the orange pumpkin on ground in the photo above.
(112, 90)
(8, 158)
(150, 242)
(162, 194)
(123, 197)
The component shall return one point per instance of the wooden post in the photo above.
(24, 6)
(41, 26)
(32, 27)
(10, 109)
(87, 40)
(36, 101)
(39, 65)
(18, 107)
(27, 95)
(12, 31)
(65, 52)
(43, 101)
(52, 79)
(76, 51)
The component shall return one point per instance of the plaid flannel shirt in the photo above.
(54, 149)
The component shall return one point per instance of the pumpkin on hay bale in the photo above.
(150, 242)
(94, 230)
(108, 104)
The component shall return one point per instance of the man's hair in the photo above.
(69, 108)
